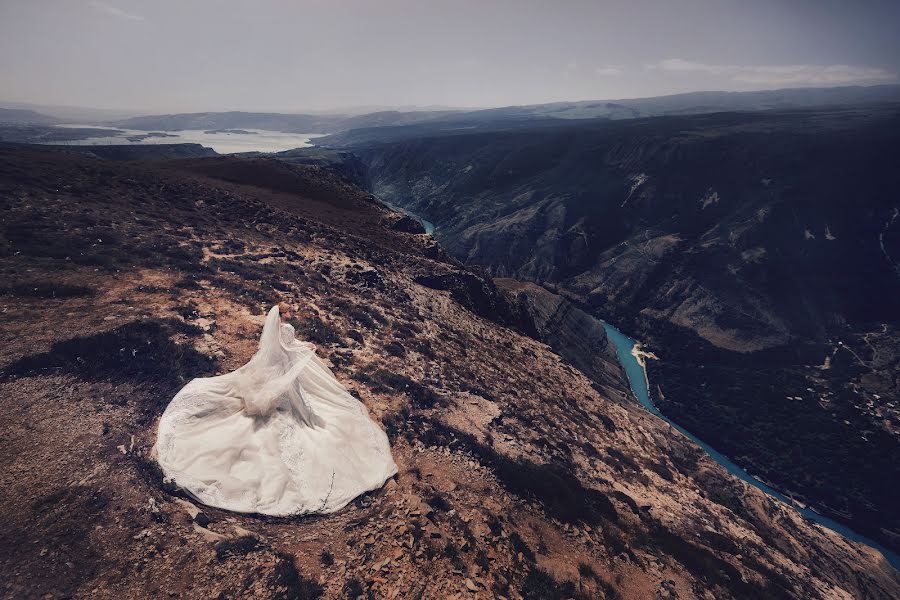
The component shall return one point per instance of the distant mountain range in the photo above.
(705, 102)
(17, 116)
(692, 103)
(276, 121)
(678, 104)
(74, 114)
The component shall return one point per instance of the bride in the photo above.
(278, 436)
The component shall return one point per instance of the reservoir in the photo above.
(223, 141)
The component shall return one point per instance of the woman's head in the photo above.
(285, 310)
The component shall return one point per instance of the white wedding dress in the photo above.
(278, 436)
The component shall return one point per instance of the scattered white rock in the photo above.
(208, 536)
(711, 197)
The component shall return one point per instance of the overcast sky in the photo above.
(196, 55)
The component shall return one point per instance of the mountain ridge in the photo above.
(618, 108)
(16, 116)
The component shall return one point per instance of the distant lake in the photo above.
(222, 141)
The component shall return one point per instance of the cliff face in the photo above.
(748, 229)
(518, 477)
(572, 333)
(755, 254)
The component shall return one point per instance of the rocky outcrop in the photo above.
(478, 293)
(404, 223)
(576, 335)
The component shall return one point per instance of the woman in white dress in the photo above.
(278, 436)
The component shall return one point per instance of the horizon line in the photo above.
(376, 108)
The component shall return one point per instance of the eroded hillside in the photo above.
(754, 253)
(519, 476)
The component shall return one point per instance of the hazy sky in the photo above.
(187, 55)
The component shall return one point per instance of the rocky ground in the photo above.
(520, 477)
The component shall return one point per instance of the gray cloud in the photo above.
(610, 70)
(114, 11)
(782, 75)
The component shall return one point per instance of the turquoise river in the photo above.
(637, 377)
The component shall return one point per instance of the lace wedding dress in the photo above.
(278, 436)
